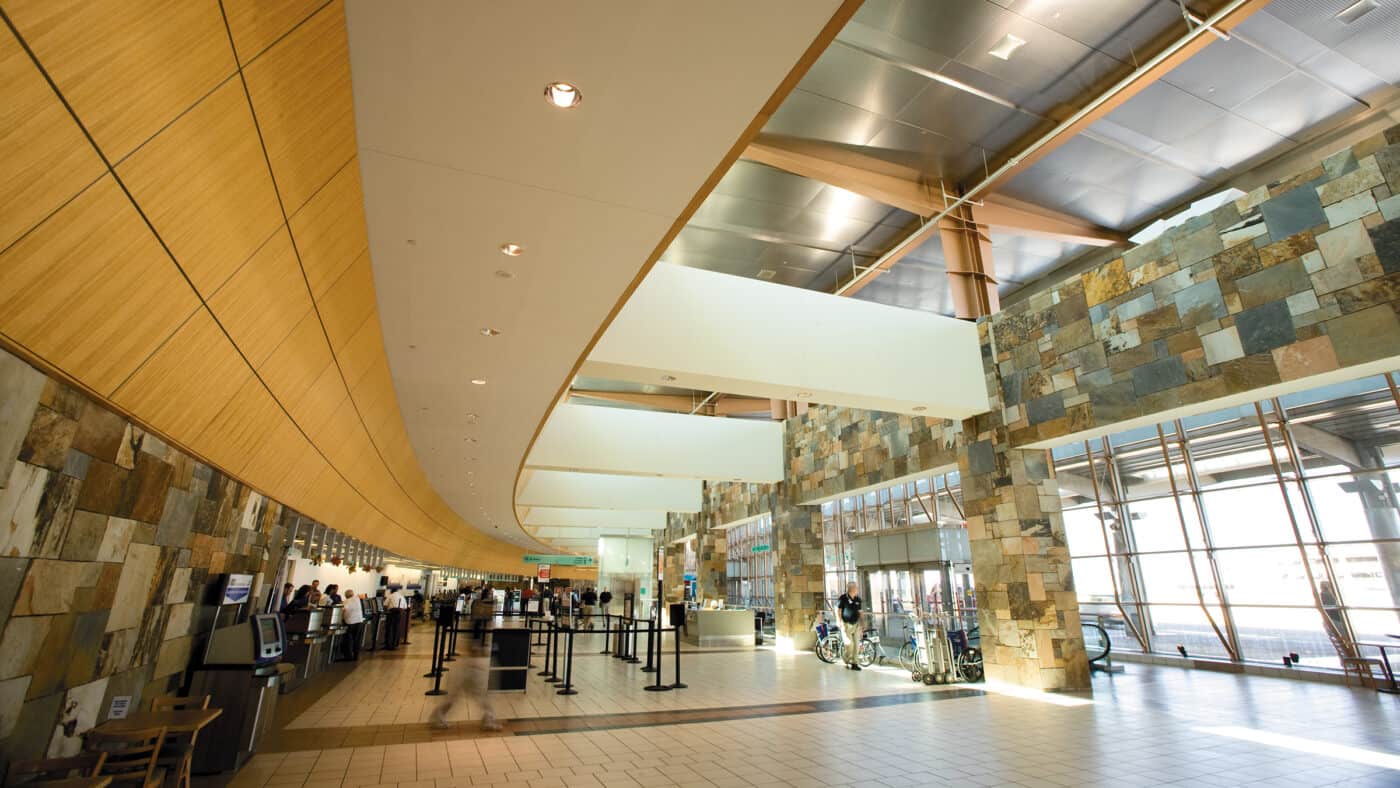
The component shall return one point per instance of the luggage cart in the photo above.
(934, 661)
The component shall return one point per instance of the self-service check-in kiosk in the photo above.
(305, 645)
(335, 628)
(373, 616)
(241, 671)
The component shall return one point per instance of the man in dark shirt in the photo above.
(589, 599)
(849, 605)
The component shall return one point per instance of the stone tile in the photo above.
(1237, 261)
(1309, 357)
(81, 707)
(981, 457)
(22, 645)
(179, 586)
(1087, 359)
(1290, 248)
(37, 718)
(116, 540)
(50, 586)
(134, 587)
(1344, 244)
(20, 388)
(100, 434)
(85, 534)
(1158, 323)
(1385, 239)
(12, 692)
(1366, 176)
(1045, 408)
(1197, 246)
(1221, 346)
(143, 496)
(1292, 212)
(1075, 335)
(1313, 262)
(50, 435)
(19, 507)
(1336, 277)
(1157, 376)
(1136, 306)
(52, 517)
(1155, 249)
(1248, 373)
(1273, 284)
(1351, 209)
(1381, 290)
(1364, 336)
(1265, 327)
(1388, 160)
(103, 487)
(177, 517)
(1201, 302)
(1105, 283)
(1247, 229)
(1302, 303)
(85, 644)
(76, 464)
(12, 571)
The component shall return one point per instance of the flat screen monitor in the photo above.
(267, 637)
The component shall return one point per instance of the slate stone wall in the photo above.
(831, 450)
(1297, 278)
(111, 543)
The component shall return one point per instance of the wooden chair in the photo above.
(1353, 664)
(84, 765)
(131, 757)
(178, 750)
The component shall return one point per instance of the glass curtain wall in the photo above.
(1250, 533)
(912, 504)
(749, 566)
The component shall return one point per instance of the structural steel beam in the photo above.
(678, 403)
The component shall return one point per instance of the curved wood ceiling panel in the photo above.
(172, 282)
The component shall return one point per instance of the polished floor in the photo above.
(766, 718)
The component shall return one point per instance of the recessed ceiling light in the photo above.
(804, 395)
(668, 378)
(562, 95)
(1356, 10)
(489, 332)
(505, 275)
(478, 382)
(1006, 46)
(512, 250)
(920, 408)
(411, 242)
(471, 418)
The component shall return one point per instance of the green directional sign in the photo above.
(760, 548)
(559, 560)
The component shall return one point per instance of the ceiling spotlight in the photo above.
(478, 381)
(668, 378)
(512, 250)
(804, 395)
(920, 408)
(562, 95)
(505, 275)
(489, 332)
(1006, 47)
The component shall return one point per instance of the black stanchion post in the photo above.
(433, 662)
(452, 643)
(530, 645)
(632, 649)
(650, 667)
(677, 683)
(569, 667)
(554, 664)
(607, 634)
(437, 678)
(545, 630)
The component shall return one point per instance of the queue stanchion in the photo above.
(654, 632)
(632, 658)
(568, 688)
(441, 651)
(607, 634)
(548, 638)
(677, 684)
(451, 637)
(554, 663)
(530, 646)
(434, 667)
(650, 667)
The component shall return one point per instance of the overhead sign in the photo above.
(543, 572)
(559, 560)
(760, 548)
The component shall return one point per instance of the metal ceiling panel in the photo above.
(935, 155)
(958, 114)
(1227, 72)
(807, 114)
(1165, 113)
(944, 26)
(1103, 24)
(833, 200)
(1229, 141)
(860, 80)
(1292, 105)
(1343, 73)
(754, 181)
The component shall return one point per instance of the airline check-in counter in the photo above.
(306, 645)
(241, 671)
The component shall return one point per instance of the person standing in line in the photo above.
(288, 590)
(394, 620)
(332, 595)
(355, 620)
(850, 604)
(589, 599)
(299, 601)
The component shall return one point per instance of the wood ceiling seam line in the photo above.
(58, 209)
(106, 397)
(234, 45)
(828, 33)
(301, 266)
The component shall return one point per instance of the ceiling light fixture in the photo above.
(478, 382)
(920, 408)
(1356, 10)
(562, 95)
(505, 275)
(489, 332)
(804, 395)
(668, 378)
(1006, 47)
(512, 250)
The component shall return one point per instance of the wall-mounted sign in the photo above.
(121, 704)
(559, 560)
(543, 572)
(237, 589)
(760, 548)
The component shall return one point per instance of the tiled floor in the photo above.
(785, 719)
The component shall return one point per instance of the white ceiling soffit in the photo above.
(649, 443)
(460, 153)
(556, 534)
(710, 331)
(603, 491)
(593, 518)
